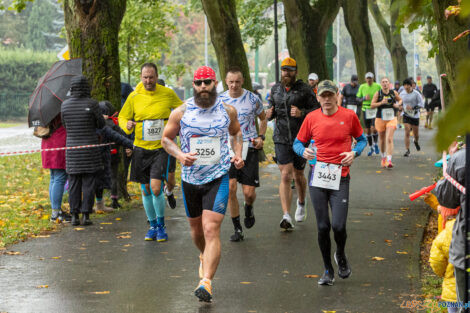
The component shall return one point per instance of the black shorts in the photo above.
(249, 174)
(368, 122)
(171, 164)
(410, 120)
(285, 155)
(148, 164)
(212, 196)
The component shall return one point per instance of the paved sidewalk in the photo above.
(108, 267)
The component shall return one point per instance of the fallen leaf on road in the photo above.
(175, 276)
(388, 241)
(366, 285)
(310, 276)
(79, 228)
(128, 245)
(402, 252)
(56, 257)
(378, 172)
(118, 218)
(285, 272)
(372, 242)
(328, 311)
(246, 282)
(404, 209)
(103, 241)
(125, 233)
(123, 237)
(104, 223)
(377, 258)
(13, 253)
(124, 250)
(418, 178)
(99, 212)
(100, 292)
(40, 236)
(368, 214)
(406, 235)
(42, 286)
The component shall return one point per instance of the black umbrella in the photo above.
(52, 88)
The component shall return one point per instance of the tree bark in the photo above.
(92, 34)
(391, 37)
(306, 29)
(226, 38)
(356, 19)
(450, 53)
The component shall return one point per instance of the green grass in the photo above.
(8, 125)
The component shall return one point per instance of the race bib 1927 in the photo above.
(326, 175)
(152, 130)
(207, 150)
(371, 113)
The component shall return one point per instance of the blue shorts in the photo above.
(212, 196)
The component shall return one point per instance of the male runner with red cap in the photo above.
(204, 124)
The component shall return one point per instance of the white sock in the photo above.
(167, 192)
(389, 158)
(383, 155)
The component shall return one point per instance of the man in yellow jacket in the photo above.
(145, 113)
(439, 261)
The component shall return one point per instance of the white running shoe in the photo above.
(301, 212)
(286, 222)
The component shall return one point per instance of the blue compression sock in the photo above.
(147, 201)
(159, 204)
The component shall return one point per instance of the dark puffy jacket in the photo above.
(81, 117)
(299, 95)
(110, 133)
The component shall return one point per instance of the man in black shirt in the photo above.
(347, 97)
(429, 90)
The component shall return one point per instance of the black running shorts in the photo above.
(148, 164)
(285, 155)
(368, 122)
(212, 196)
(249, 174)
(410, 120)
(171, 164)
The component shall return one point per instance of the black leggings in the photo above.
(338, 201)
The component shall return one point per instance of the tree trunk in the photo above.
(391, 37)
(92, 34)
(306, 29)
(226, 38)
(450, 53)
(356, 19)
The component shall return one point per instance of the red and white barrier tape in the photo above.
(53, 149)
(455, 183)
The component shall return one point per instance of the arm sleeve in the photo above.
(299, 147)
(126, 114)
(360, 144)
(437, 259)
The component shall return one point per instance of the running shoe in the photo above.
(344, 270)
(383, 162)
(417, 145)
(300, 212)
(64, 216)
(376, 148)
(170, 198)
(204, 291)
(201, 270)
(389, 164)
(54, 215)
(286, 222)
(327, 279)
(407, 153)
(237, 236)
(249, 216)
(370, 152)
(151, 234)
(161, 233)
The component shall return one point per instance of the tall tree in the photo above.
(44, 26)
(226, 38)
(357, 23)
(392, 36)
(307, 26)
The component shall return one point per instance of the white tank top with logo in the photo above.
(205, 132)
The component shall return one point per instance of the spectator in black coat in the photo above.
(107, 178)
(81, 117)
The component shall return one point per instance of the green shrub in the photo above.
(20, 71)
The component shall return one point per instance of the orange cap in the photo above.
(289, 63)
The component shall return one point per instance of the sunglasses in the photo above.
(206, 82)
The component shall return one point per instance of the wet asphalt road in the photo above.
(92, 270)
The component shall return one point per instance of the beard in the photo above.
(287, 80)
(205, 102)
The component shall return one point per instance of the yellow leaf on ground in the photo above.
(103, 241)
(42, 286)
(388, 241)
(13, 253)
(128, 245)
(377, 258)
(118, 218)
(56, 257)
(40, 236)
(45, 217)
(285, 272)
(106, 223)
(79, 228)
(123, 237)
(378, 172)
(100, 292)
(369, 214)
(328, 311)
(246, 282)
(99, 212)
(402, 252)
(310, 276)
(125, 233)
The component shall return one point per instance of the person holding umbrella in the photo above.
(81, 118)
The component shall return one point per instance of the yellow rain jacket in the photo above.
(149, 108)
(439, 261)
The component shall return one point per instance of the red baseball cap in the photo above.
(204, 72)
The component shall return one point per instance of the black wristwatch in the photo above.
(262, 137)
